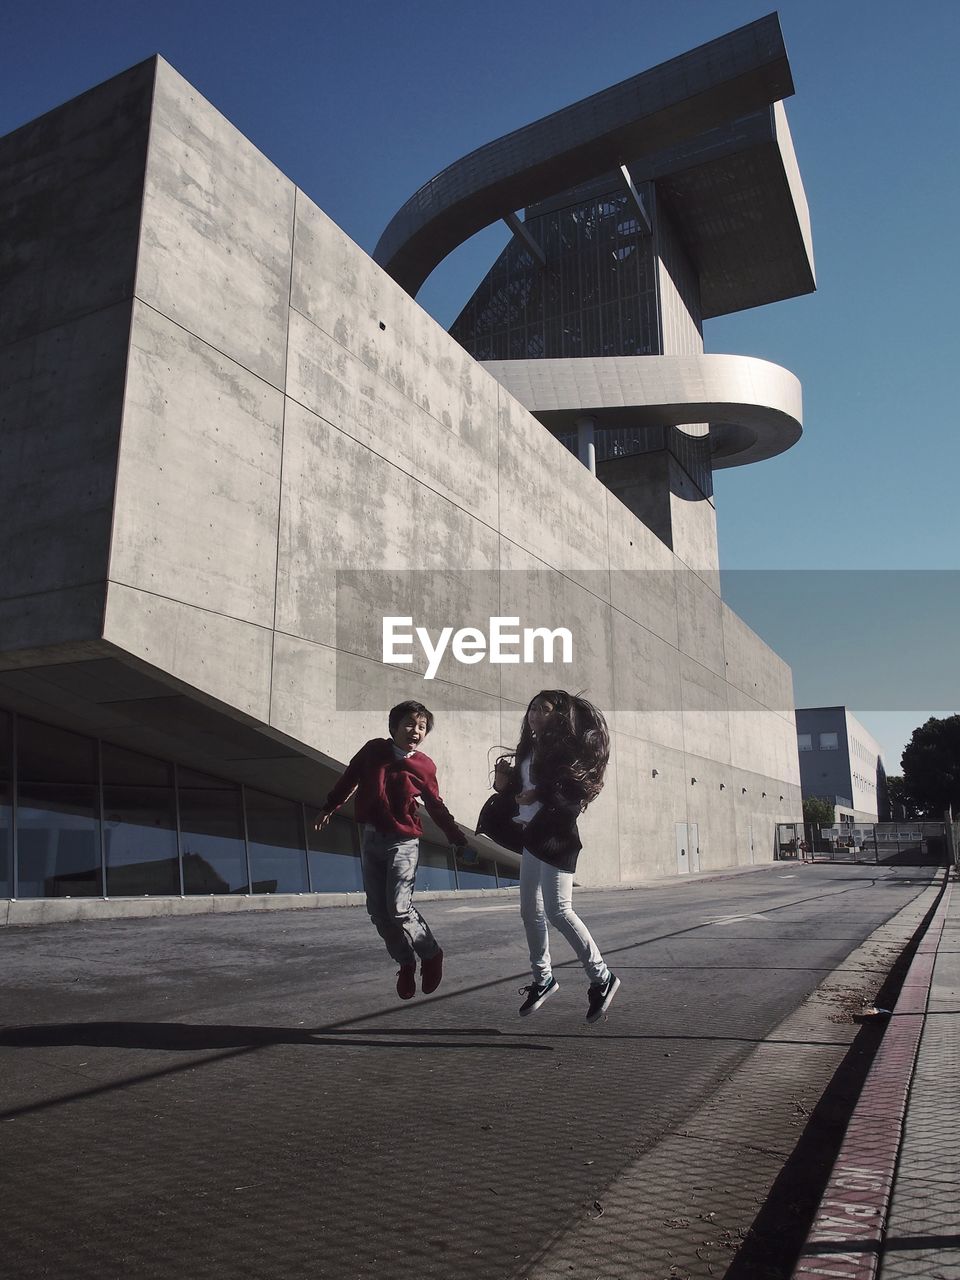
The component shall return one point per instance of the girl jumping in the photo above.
(540, 791)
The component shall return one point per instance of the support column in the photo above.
(586, 448)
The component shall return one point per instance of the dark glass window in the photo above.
(6, 805)
(139, 824)
(436, 867)
(475, 873)
(278, 860)
(334, 856)
(596, 294)
(507, 876)
(58, 809)
(211, 834)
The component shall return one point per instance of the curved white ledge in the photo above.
(754, 408)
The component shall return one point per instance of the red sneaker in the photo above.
(407, 981)
(431, 973)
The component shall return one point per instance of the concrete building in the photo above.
(651, 207)
(231, 445)
(842, 761)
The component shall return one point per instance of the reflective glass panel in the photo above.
(334, 856)
(58, 832)
(211, 834)
(6, 801)
(596, 294)
(436, 867)
(507, 876)
(475, 872)
(275, 833)
(139, 824)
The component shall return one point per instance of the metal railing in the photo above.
(908, 843)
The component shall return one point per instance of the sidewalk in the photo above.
(923, 1227)
(891, 1209)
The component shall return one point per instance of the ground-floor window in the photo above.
(80, 817)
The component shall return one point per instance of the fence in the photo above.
(880, 843)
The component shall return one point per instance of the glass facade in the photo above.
(595, 296)
(211, 834)
(275, 838)
(611, 284)
(6, 805)
(59, 853)
(475, 872)
(139, 824)
(333, 855)
(692, 452)
(436, 869)
(84, 818)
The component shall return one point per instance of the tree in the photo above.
(931, 766)
(818, 811)
(902, 804)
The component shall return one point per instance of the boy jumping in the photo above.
(389, 776)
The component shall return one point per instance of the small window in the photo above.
(829, 742)
(805, 741)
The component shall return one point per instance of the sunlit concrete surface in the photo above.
(244, 1094)
(245, 405)
(754, 408)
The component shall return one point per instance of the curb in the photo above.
(846, 1236)
(30, 912)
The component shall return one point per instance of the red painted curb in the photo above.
(847, 1232)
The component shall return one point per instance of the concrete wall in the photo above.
(303, 449)
(71, 185)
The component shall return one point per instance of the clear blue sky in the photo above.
(359, 104)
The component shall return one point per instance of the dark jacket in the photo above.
(551, 834)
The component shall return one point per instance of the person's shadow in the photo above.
(186, 1037)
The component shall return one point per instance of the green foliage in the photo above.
(902, 803)
(931, 766)
(819, 811)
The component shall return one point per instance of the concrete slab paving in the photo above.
(922, 1236)
(243, 1095)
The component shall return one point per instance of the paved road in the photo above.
(234, 1096)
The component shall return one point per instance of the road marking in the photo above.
(509, 906)
(731, 919)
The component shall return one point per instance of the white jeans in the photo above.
(546, 897)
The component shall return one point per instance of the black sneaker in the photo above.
(600, 995)
(536, 993)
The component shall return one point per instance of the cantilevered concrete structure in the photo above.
(230, 445)
(650, 207)
(707, 121)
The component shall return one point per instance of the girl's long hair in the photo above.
(573, 746)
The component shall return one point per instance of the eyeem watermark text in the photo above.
(505, 642)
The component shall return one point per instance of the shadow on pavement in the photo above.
(187, 1037)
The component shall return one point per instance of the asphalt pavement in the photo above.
(244, 1095)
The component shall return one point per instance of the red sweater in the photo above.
(388, 787)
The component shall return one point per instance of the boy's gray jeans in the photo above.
(389, 865)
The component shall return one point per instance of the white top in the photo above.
(526, 811)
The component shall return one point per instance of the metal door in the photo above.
(683, 860)
(693, 836)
